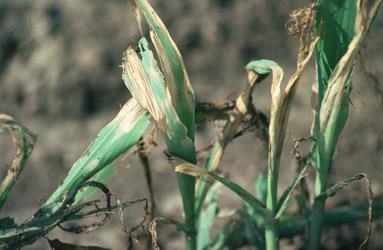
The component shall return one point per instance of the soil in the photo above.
(60, 77)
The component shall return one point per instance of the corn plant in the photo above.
(336, 56)
(162, 95)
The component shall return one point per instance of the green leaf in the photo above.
(287, 195)
(261, 194)
(103, 176)
(345, 27)
(121, 134)
(331, 191)
(182, 98)
(336, 57)
(337, 19)
(261, 67)
(146, 83)
(223, 238)
(260, 186)
(58, 245)
(173, 67)
(193, 170)
(7, 223)
(208, 215)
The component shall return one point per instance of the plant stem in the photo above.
(186, 186)
(191, 242)
(271, 227)
(323, 154)
(317, 214)
(271, 235)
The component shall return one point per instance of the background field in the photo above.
(60, 77)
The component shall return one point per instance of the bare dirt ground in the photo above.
(60, 77)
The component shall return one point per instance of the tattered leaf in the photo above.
(24, 141)
(145, 81)
(173, 67)
(122, 133)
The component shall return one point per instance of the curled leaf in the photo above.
(24, 141)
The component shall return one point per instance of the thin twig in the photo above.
(144, 158)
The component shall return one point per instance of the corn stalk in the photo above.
(345, 27)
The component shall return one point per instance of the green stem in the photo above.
(323, 151)
(271, 227)
(271, 235)
(191, 242)
(316, 224)
(186, 185)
